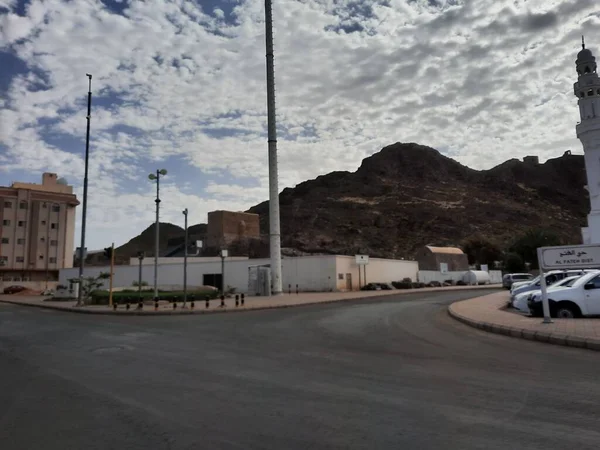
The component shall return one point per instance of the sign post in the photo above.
(545, 304)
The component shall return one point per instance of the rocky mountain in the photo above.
(409, 195)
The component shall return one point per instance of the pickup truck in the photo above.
(582, 299)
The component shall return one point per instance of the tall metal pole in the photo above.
(274, 225)
(185, 254)
(222, 273)
(156, 237)
(140, 258)
(85, 191)
(112, 273)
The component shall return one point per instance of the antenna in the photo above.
(583, 42)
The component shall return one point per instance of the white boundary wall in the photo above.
(319, 273)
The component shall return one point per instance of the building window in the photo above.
(4, 259)
(22, 223)
(54, 226)
(52, 260)
(590, 92)
(41, 256)
(20, 259)
(5, 240)
(43, 239)
(55, 208)
(53, 243)
(582, 94)
(43, 222)
(340, 276)
(6, 222)
(21, 241)
(8, 204)
(23, 205)
(44, 205)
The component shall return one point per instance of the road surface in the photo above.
(378, 374)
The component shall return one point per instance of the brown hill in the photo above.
(409, 195)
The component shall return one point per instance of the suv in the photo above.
(580, 300)
(510, 278)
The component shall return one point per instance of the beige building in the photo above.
(37, 230)
(225, 227)
(443, 259)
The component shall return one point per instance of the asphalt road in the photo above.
(383, 374)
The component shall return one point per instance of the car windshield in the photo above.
(569, 282)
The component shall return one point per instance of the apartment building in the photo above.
(37, 229)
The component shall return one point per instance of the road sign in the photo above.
(570, 257)
(362, 259)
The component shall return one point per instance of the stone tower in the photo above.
(587, 90)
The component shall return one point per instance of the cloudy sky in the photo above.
(180, 85)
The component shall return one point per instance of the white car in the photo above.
(551, 277)
(520, 302)
(582, 299)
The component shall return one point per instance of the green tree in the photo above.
(480, 250)
(527, 244)
(90, 284)
(513, 263)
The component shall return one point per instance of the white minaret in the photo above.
(587, 90)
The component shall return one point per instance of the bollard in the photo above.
(289, 289)
(115, 305)
(192, 304)
(296, 289)
(242, 299)
(175, 304)
(155, 305)
(127, 305)
(237, 300)
(140, 305)
(207, 298)
(222, 301)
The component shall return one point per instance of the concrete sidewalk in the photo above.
(251, 303)
(488, 313)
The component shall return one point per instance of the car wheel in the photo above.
(565, 312)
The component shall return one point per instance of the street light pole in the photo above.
(157, 236)
(185, 254)
(223, 256)
(85, 192)
(141, 258)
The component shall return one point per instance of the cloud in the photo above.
(180, 86)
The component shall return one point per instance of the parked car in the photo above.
(582, 299)
(510, 278)
(13, 289)
(551, 278)
(520, 303)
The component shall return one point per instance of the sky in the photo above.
(181, 85)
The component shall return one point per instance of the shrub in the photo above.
(407, 280)
(416, 285)
(434, 284)
(101, 297)
(402, 285)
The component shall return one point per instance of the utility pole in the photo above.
(156, 177)
(112, 270)
(185, 255)
(140, 256)
(274, 225)
(85, 192)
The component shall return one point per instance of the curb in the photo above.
(219, 310)
(540, 336)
